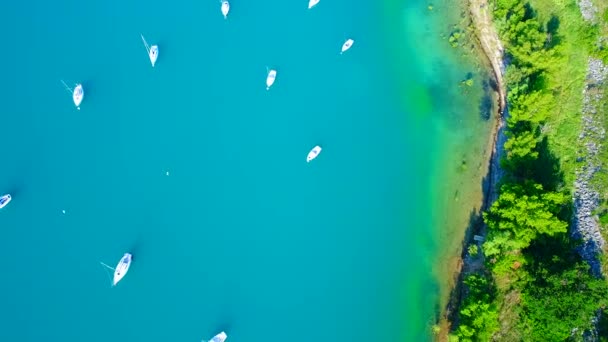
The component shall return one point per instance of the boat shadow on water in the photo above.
(14, 191)
(135, 248)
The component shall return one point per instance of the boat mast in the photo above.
(70, 90)
(145, 43)
(106, 265)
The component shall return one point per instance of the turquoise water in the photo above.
(461, 118)
(242, 235)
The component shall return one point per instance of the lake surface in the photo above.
(200, 172)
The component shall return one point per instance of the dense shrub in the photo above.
(527, 245)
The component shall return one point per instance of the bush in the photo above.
(561, 301)
(478, 315)
(473, 250)
(524, 211)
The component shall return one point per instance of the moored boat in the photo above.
(313, 153)
(225, 8)
(4, 200)
(78, 95)
(312, 3)
(347, 45)
(272, 75)
(151, 50)
(122, 268)
(153, 54)
(221, 337)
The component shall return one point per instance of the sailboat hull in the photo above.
(314, 153)
(347, 45)
(78, 95)
(225, 8)
(122, 268)
(221, 337)
(153, 54)
(5, 200)
(272, 75)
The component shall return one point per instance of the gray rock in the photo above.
(587, 10)
(586, 198)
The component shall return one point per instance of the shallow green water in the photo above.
(243, 235)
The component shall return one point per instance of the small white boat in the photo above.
(78, 95)
(272, 75)
(153, 54)
(4, 200)
(347, 45)
(313, 153)
(122, 268)
(312, 3)
(151, 50)
(225, 8)
(221, 337)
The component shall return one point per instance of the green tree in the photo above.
(523, 211)
(478, 316)
(559, 302)
(521, 146)
(534, 107)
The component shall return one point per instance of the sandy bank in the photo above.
(490, 44)
(491, 47)
(491, 50)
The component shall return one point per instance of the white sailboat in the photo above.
(225, 8)
(312, 3)
(272, 75)
(313, 153)
(4, 200)
(347, 45)
(221, 337)
(121, 269)
(151, 50)
(77, 93)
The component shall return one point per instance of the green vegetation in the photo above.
(602, 47)
(601, 178)
(478, 316)
(468, 82)
(455, 38)
(561, 295)
(537, 288)
(473, 250)
(520, 215)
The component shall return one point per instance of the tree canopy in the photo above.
(521, 213)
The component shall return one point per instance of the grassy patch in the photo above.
(602, 7)
(600, 179)
(566, 79)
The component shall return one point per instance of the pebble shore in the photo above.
(586, 197)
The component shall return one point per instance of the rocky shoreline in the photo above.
(489, 43)
(491, 50)
(586, 197)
